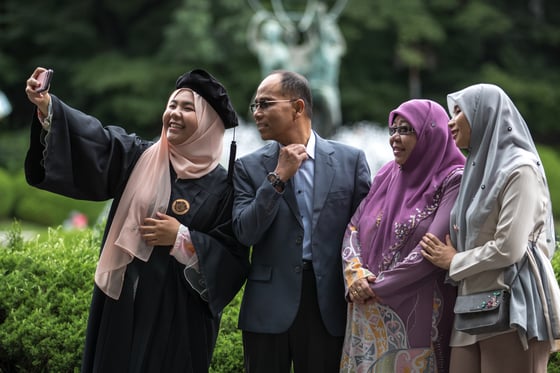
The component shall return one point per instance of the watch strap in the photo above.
(274, 179)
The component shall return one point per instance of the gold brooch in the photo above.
(180, 206)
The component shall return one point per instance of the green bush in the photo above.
(554, 362)
(44, 303)
(551, 163)
(13, 148)
(228, 354)
(44, 300)
(7, 194)
(49, 209)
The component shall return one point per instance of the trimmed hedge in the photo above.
(44, 300)
(7, 193)
(551, 162)
(554, 362)
(228, 354)
(13, 148)
(44, 303)
(48, 209)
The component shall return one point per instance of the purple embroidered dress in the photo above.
(409, 330)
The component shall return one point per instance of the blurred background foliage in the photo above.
(119, 60)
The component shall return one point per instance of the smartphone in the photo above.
(44, 80)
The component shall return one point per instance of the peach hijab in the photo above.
(148, 191)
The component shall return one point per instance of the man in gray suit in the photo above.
(293, 200)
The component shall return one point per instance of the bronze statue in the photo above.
(308, 42)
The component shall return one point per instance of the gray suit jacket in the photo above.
(271, 223)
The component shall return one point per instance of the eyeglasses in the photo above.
(401, 130)
(265, 104)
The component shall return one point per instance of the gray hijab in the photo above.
(500, 143)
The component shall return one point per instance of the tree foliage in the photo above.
(119, 60)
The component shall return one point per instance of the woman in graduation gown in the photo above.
(169, 262)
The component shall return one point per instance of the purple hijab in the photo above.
(402, 196)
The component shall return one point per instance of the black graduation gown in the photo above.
(159, 323)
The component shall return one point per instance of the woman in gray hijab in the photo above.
(503, 203)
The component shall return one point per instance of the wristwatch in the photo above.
(274, 179)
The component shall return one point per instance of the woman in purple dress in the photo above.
(400, 311)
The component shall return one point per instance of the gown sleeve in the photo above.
(184, 252)
(222, 260)
(183, 249)
(79, 157)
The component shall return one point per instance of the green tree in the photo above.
(118, 60)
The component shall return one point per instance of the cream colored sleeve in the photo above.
(520, 207)
(46, 121)
(183, 249)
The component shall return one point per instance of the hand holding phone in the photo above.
(44, 79)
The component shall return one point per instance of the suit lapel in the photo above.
(324, 175)
(270, 160)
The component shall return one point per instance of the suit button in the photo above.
(297, 269)
(299, 240)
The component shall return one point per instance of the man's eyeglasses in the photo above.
(265, 104)
(401, 130)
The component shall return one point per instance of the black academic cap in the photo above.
(213, 92)
(216, 95)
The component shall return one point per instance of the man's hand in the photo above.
(161, 231)
(289, 160)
